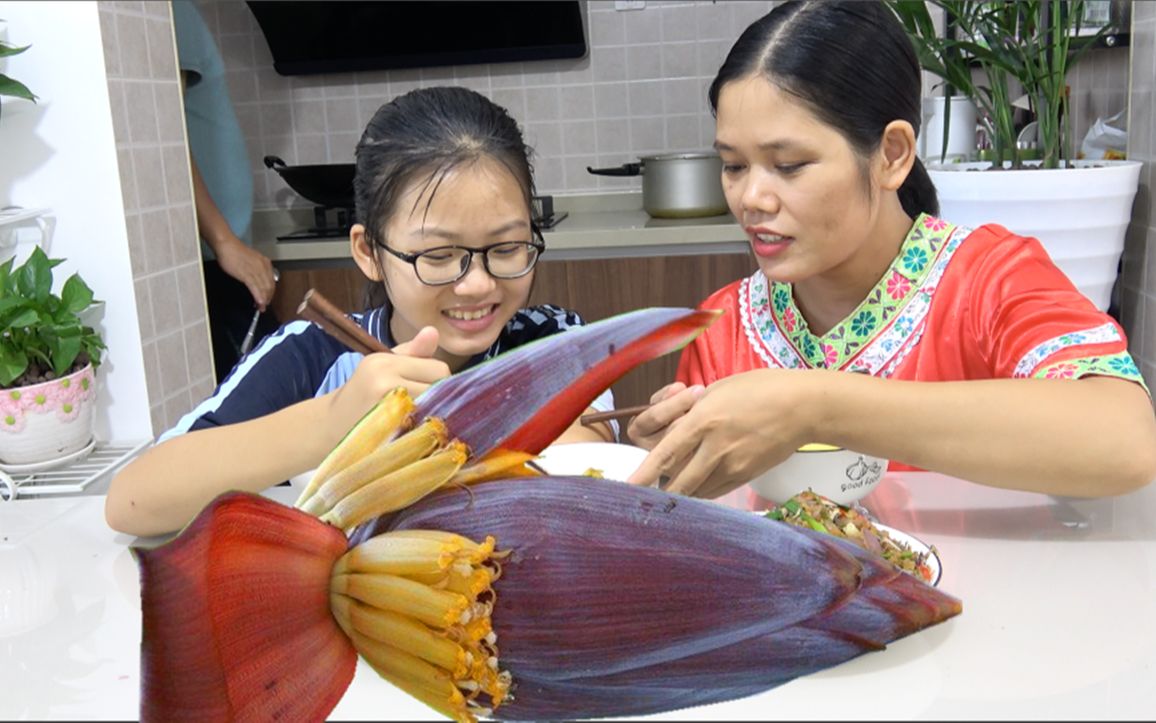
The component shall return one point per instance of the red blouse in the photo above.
(955, 304)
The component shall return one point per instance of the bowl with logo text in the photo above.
(841, 475)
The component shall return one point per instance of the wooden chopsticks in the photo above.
(321, 311)
(624, 413)
(316, 308)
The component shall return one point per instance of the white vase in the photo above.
(47, 421)
(961, 130)
(1079, 214)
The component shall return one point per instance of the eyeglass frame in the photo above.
(411, 259)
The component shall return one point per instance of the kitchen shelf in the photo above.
(13, 218)
(9, 216)
(74, 477)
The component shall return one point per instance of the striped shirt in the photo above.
(301, 361)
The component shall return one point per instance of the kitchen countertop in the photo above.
(598, 226)
(1057, 616)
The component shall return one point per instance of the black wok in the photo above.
(324, 184)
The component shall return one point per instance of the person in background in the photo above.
(442, 189)
(976, 357)
(239, 280)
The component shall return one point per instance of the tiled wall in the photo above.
(1138, 280)
(1099, 88)
(140, 59)
(641, 89)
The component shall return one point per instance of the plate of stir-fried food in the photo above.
(902, 550)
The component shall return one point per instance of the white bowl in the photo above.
(840, 475)
(613, 461)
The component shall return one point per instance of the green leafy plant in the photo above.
(1029, 41)
(11, 86)
(43, 335)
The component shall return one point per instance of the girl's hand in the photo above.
(739, 428)
(669, 405)
(411, 365)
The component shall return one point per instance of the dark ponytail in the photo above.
(851, 63)
(918, 194)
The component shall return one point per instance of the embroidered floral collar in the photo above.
(894, 308)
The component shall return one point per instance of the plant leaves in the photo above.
(34, 277)
(13, 363)
(25, 318)
(16, 89)
(76, 296)
(7, 50)
(6, 277)
(64, 349)
(1028, 41)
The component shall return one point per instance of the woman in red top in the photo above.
(967, 341)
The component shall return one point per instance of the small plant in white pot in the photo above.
(48, 358)
(1079, 210)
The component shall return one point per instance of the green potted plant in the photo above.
(48, 358)
(10, 86)
(1029, 42)
(1079, 210)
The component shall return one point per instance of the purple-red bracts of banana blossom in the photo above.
(617, 600)
(522, 400)
(610, 599)
(245, 567)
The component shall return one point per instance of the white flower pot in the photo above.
(1079, 214)
(47, 421)
(960, 139)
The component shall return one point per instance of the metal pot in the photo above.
(677, 185)
(324, 184)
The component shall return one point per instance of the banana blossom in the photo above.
(525, 597)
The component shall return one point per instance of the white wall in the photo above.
(62, 154)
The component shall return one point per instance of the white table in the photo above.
(1058, 601)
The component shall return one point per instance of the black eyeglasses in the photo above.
(446, 264)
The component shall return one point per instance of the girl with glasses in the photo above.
(442, 188)
(976, 357)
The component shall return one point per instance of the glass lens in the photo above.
(442, 265)
(511, 259)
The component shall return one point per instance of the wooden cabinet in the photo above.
(595, 288)
(344, 286)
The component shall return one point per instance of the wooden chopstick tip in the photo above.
(613, 414)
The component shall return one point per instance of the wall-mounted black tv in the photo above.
(334, 36)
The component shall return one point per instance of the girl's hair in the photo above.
(851, 63)
(420, 137)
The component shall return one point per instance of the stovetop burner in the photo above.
(328, 222)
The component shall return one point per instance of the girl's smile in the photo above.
(471, 319)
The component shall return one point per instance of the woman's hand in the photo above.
(411, 365)
(669, 405)
(740, 427)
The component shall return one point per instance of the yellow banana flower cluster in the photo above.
(417, 606)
